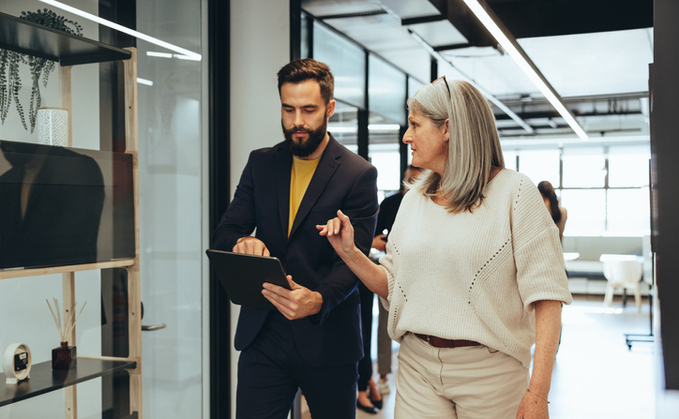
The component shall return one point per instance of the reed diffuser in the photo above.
(64, 357)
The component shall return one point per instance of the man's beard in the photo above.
(306, 148)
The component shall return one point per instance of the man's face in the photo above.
(304, 116)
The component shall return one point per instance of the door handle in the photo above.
(153, 327)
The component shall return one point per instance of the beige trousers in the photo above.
(473, 382)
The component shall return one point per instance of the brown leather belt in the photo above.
(446, 343)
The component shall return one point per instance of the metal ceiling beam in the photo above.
(450, 47)
(528, 115)
(422, 19)
(487, 94)
(465, 22)
(507, 41)
(368, 13)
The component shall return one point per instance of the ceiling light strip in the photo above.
(144, 81)
(516, 52)
(123, 29)
(483, 91)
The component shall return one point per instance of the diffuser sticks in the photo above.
(66, 327)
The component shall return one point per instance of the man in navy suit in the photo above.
(313, 340)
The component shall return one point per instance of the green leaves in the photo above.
(50, 19)
(10, 80)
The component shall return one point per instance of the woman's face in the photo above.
(428, 143)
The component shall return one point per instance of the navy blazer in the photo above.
(342, 180)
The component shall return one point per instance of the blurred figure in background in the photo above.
(558, 213)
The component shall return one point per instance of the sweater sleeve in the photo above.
(387, 263)
(541, 273)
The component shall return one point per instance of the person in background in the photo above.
(313, 340)
(473, 274)
(369, 398)
(370, 394)
(558, 213)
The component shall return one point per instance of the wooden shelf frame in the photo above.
(34, 39)
(19, 273)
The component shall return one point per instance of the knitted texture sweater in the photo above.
(474, 275)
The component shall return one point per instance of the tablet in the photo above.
(242, 276)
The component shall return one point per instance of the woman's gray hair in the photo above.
(473, 148)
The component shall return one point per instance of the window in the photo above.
(628, 210)
(586, 211)
(346, 61)
(386, 90)
(510, 159)
(628, 166)
(413, 86)
(540, 165)
(604, 189)
(383, 152)
(584, 167)
(343, 125)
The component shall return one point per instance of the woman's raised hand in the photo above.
(340, 233)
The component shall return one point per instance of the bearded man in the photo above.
(313, 340)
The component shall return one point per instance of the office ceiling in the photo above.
(594, 53)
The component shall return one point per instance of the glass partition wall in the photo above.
(171, 144)
(171, 164)
(371, 100)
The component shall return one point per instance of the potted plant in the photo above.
(10, 62)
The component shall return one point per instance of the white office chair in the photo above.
(625, 274)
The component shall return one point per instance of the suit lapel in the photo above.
(282, 169)
(326, 168)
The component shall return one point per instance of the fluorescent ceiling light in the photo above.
(384, 127)
(483, 91)
(342, 129)
(168, 55)
(531, 71)
(187, 57)
(120, 28)
(144, 81)
(158, 54)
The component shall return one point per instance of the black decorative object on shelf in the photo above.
(64, 357)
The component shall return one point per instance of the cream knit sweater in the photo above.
(474, 275)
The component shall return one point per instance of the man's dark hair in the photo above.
(301, 70)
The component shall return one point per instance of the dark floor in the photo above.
(595, 375)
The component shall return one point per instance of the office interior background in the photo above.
(207, 97)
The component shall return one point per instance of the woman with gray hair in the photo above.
(473, 274)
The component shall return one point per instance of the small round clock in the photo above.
(16, 363)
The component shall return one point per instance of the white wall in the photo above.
(260, 46)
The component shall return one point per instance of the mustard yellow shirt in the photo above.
(300, 177)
